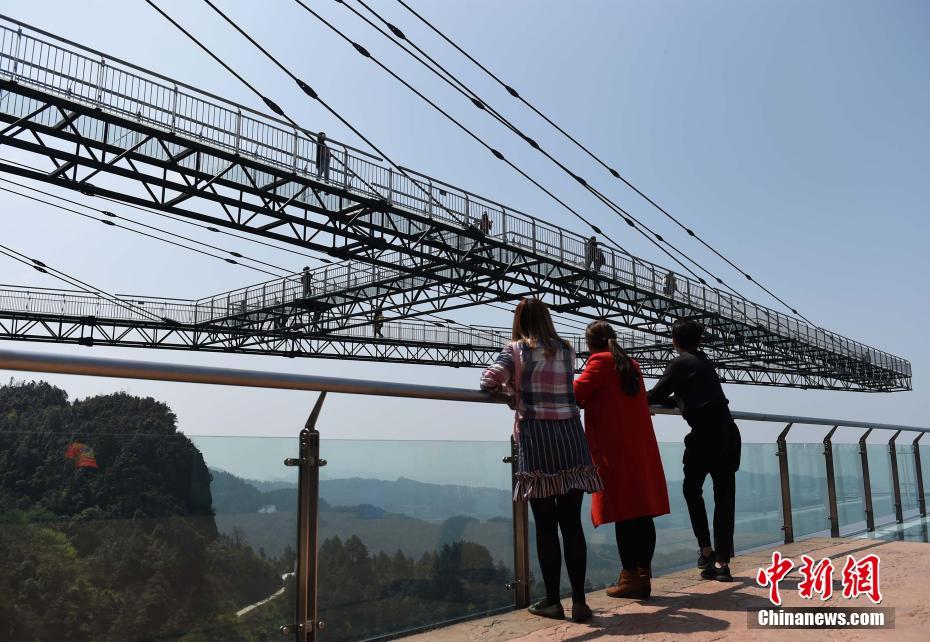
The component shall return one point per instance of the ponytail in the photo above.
(601, 335)
(626, 370)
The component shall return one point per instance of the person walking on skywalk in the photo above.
(379, 323)
(594, 256)
(323, 155)
(306, 283)
(712, 447)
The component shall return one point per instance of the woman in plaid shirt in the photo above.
(554, 465)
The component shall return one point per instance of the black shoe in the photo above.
(581, 612)
(551, 610)
(705, 560)
(721, 574)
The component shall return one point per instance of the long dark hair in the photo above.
(600, 335)
(532, 324)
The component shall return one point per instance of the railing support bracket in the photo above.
(782, 454)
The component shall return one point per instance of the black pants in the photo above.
(636, 542)
(552, 514)
(714, 452)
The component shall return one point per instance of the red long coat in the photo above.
(623, 445)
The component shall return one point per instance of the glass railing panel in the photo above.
(880, 479)
(907, 477)
(758, 499)
(758, 519)
(847, 470)
(412, 534)
(140, 536)
(808, 477)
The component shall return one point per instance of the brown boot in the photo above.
(629, 585)
(645, 576)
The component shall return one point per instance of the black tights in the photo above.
(636, 542)
(562, 512)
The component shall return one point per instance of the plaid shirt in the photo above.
(546, 388)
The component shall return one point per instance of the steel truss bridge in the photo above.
(224, 324)
(409, 244)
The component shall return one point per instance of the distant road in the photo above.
(252, 607)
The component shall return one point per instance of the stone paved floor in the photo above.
(684, 607)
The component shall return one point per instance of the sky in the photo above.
(791, 135)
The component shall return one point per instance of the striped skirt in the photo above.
(553, 459)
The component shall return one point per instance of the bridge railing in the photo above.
(226, 311)
(58, 66)
(457, 516)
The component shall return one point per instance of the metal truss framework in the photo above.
(410, 247)
(71, 317)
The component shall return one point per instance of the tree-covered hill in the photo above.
(108, 531)
(106, 522)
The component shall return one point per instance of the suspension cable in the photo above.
(497, 154)
(430, 63)
(513, 92)
(111, 215)
(45, 268)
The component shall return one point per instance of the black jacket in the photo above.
(693, 381)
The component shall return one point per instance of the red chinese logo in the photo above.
(774, 574)
(816, 578)
(862, 578)
(858, 577)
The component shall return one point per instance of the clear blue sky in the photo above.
(793, 135)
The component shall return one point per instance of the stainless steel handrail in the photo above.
(132, 369)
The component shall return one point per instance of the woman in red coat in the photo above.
(623, 445)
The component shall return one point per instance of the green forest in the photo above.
(108, 531)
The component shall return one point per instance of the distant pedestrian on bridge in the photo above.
(306, 283)
(624, 449)
(593, 255)
(553, 461)
(669, 288)
(486, 223)
(379, 323)
(712, 447)
(323, 155)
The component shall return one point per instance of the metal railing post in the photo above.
(895, 482)
(390, 185)
(429, 199)
(101, 70)
(294, 152)
(521, 540)
(16, 51)
(831, 483)
(866, 482)
(782, 453)
(238, 131)
(308, 624)
(174, 109)
(919, 474)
